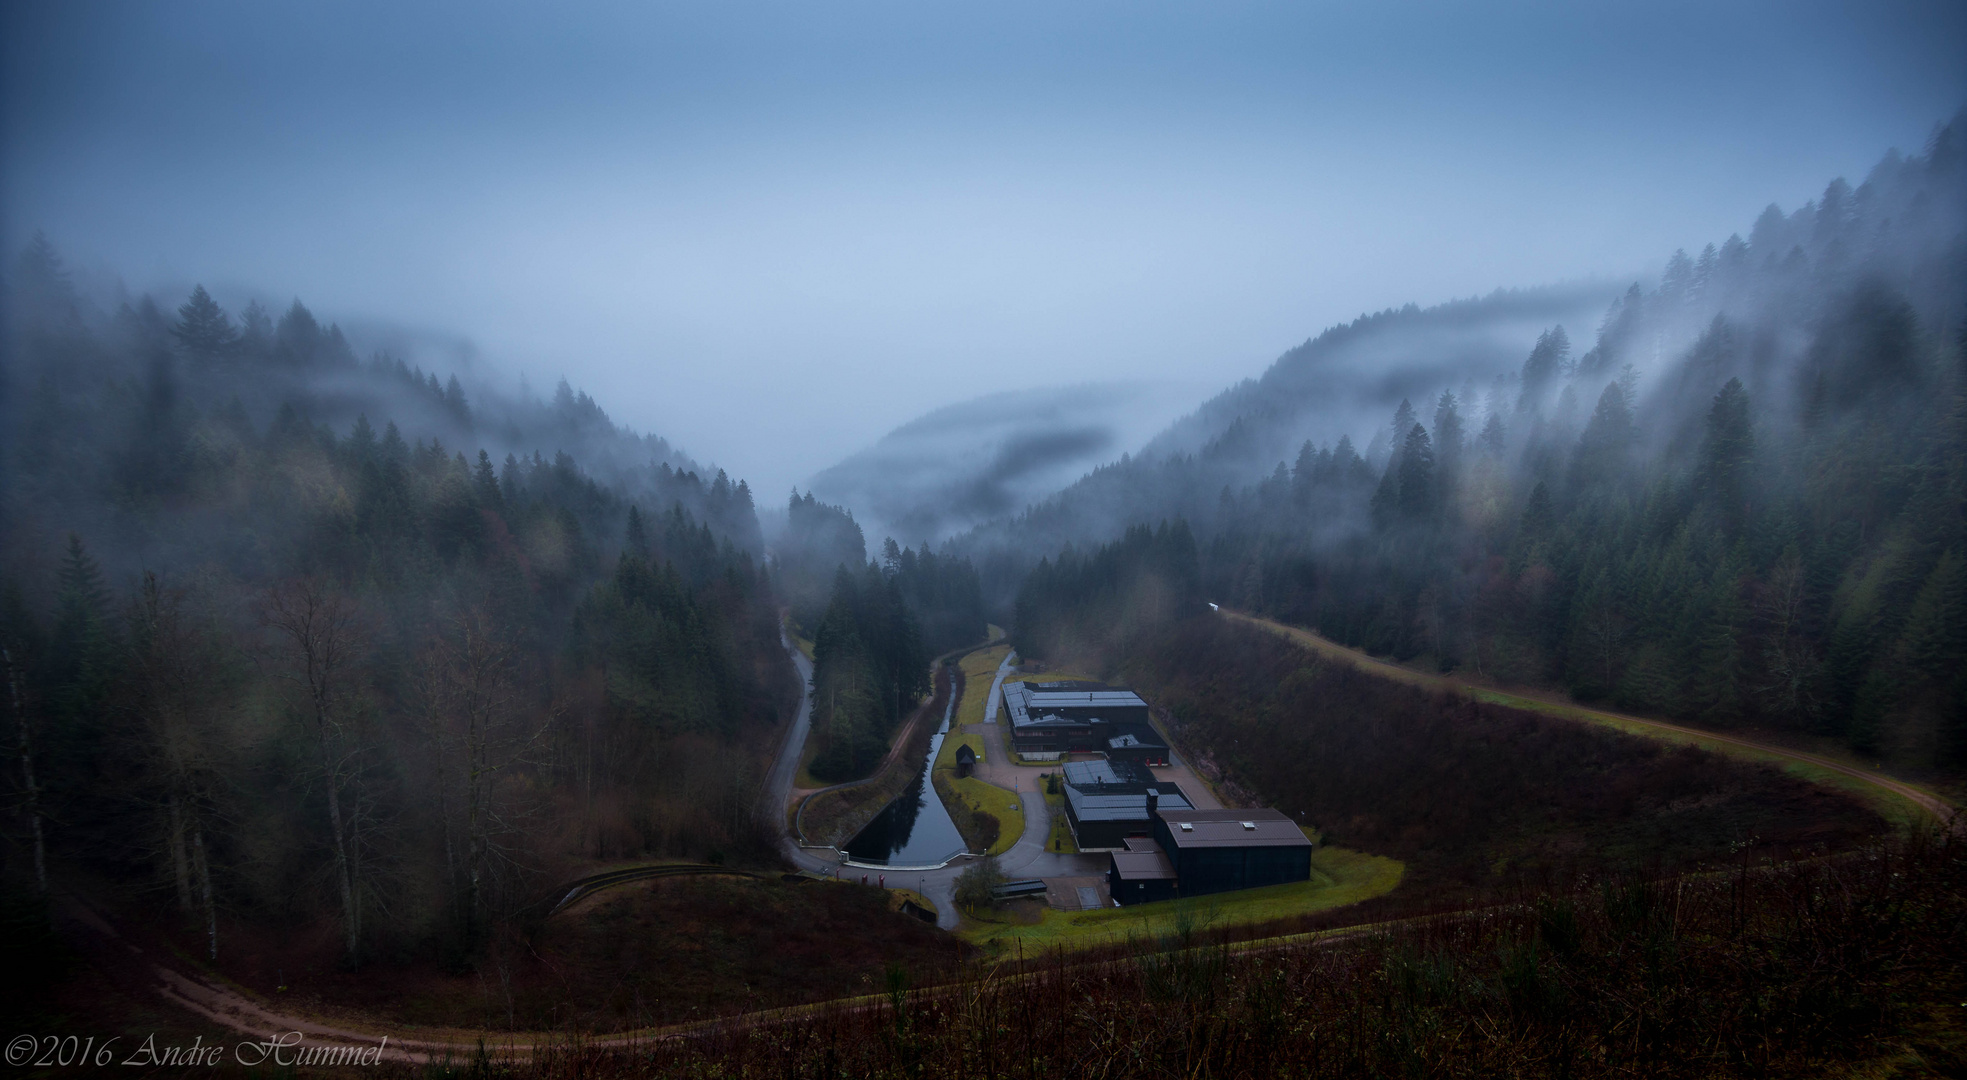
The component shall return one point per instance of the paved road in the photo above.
(1941, 810)
(778, 784)
(996, 698)
(1026, 859)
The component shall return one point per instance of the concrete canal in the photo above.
(915, 829)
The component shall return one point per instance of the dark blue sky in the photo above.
(772, 232)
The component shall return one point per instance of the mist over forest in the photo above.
(1602, 635)
(1736, 499)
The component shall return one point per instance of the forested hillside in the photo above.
(940, 592)
(1474, 798)
(1320, 389)
(869, 668)
(295, 639)
(1741, 504)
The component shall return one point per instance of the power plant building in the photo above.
(1068, 717)
(1198, 852)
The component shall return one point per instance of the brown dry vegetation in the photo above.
(1849, 965)
(660, 952)
(1471, 796)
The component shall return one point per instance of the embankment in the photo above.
(831, 816)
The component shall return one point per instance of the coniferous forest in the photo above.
(1741, 505)
(1601, 646)
(279, 654)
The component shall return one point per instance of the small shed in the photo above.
(966, 760)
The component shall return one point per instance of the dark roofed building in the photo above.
(1089, 775)
(1108, 801)
(966, 760)
(1137, 743)
(1069, 717)
(1140, 873)
(1219, 850)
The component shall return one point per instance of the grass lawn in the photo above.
(993, 800)
(946, 757)
(1338, 877)
(979, 668)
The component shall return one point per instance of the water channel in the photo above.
(915, 829)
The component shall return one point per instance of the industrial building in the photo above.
(1072, 717)
(1106, 802)
(1141, 873)
(1198, 852)
(1138, 743)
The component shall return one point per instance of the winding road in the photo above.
(1026, 859)
(215, 1000)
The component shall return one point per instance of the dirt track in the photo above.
(227, 1007)
(1932, 804)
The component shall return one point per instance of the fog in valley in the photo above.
(771, 236)
(1508, 466)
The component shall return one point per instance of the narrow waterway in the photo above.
(915, 829)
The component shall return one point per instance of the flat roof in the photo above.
(1067, 684)
(1094, 774)
(1137, 737)
(1029, 704)
(1136, 865)
(1231, 828)
(1121, 805)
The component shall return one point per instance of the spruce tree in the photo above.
(203, 328)
(1417, 494)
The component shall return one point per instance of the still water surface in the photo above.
(915, 829)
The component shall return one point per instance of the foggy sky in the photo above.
(771, 233)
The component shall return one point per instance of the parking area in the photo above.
(1077, 893)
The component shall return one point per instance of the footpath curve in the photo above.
(1942, 811)
(226, 1006)
(200, 993)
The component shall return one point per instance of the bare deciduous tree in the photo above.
(30, 790)
(320, 634)
(469, 677)
(179, 691)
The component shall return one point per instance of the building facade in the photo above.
(1106, 802)
(1070, 717)
(1198, 852)
(1216, 851)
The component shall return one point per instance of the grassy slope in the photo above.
(994, 801)
(1339, 877)
(680, 948)
(979, 668)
